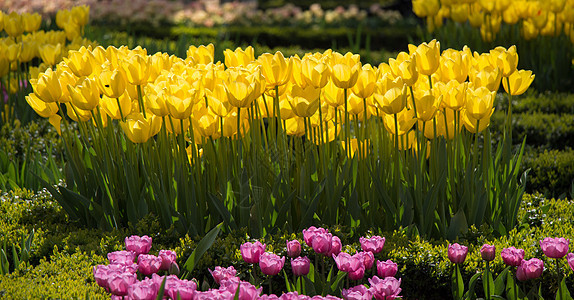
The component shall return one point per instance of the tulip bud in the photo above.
(457, 253)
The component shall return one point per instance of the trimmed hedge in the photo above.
(551, 172)
(423, 265)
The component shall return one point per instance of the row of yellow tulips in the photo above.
(312, 94)
(546, 18)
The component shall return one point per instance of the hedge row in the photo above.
(393, 38)
(63, 254)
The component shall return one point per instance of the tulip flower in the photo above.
(555, 247)
(44, 109)
(425, 8)
(275, 68)
(137, 69)
(386, 268)
(322, 242)
(252, 251)
(31, 22)
(143, 290)
(365, 85)
(85, 95)
(359, 292)
(427, 57)
(345, 76)
(167, 258)
(81, 62)
(518, 82)
(373, 244)
(479, 102)
(300, 266)
(239, 57)
(393, 101)
(405, 121)
(304, 101)
(357, 274)
(315, 73)
(220, 273)
(427, 107)
(293, 248)
(121, 257)
(529, 269)
(512, 256)
(488, 252)
(149, 264)
(336, 246)
(47, 87)
(457, 253)
(118, 283)
(201, 55)
(246, 289)
(570, 259)
(13, 24)
(505, 60)
(112, 83)
(139, 128)
(347, 263)
(406, 69)
(384, 289)
(138, 245)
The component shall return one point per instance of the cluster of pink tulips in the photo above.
(120, 277)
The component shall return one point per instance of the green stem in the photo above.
(141, 102)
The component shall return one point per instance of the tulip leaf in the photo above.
(470, 294)
(201, 248)
(457, 284)
(335, 283)
(500, 281)
(487, 282)
(457, 224)
(223, 212)
(563, 293)
(161, 290)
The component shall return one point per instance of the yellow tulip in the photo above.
(406, 69)
(285, 109)
(487, 77)
(393, 101)
(427, 57)
(479, 102)
(505, 60)
(356, 106)
(55, 120)
(230, 125)
(427, 106)
(511, 15)
(80, 15)
(459, 12)
(78, 115)
(405, 121)
(13, 24)
(528, 30)
(333, 95)
(315, 73)
(425, 8)
(31, 22)
(112, 83)
(276, 69)
(137, 69)
(155, 99)
(476, 15)
(519, 81)
(239, 57)
(43, 109)
(139, 129)
(218, 102)
(295, 126)
(454, 95)
(29, 51)
(50, 53)
(240, 93)
(85, 95)
(12, 51)
(47, 87)
(206, 123)
(454, 65)
(365, 85)
(180, 100)
(329, 134)
(297, 74)
(2, 16)
(354, 147)
(201, 55)
(117, 107)
(470, 123)
(304, 101)
(345, 70)
(66, 78)
(81, 63)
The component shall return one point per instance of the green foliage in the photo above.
(551, 172)
(64, 275)
(550, 131)
(534, 102)
(325, 4)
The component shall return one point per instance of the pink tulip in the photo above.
(143, 290)
(359, 292)
(347, 263)
(271, 264)
(121, 257)
(555, 247)
(251, 252)
(457, 253)
(167, 258)
(139, 245)
(148, 264)
(293, 248)
(300, 266)
(185, 288)
(570, 259)
(357, 274)
(512, 256)
(386, 268)
(529, 269)
(488, 252)
(118, 283)
(215, 294)
(373, 244)
(247, 291)
(220, 273)
(310, 232)
(321, 243)
(336, 246)
(367, 257)
(268, 297)
(385, 289)
(291, 296)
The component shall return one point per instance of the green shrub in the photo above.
(532, 101)
(551, 172)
